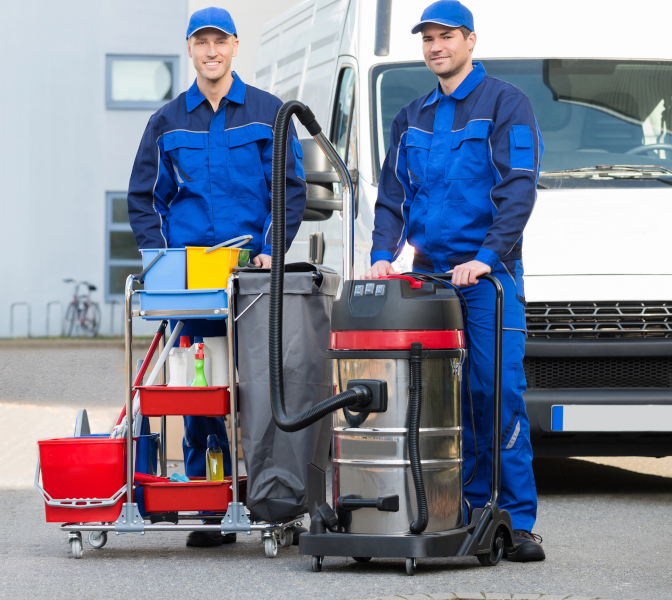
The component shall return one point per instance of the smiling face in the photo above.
(211, 51)
(446, 51)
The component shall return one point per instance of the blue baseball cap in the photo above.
(211, 17)
(446, 12)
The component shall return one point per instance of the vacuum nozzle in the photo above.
(371, 395)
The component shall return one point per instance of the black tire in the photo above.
(411, 566)
(362, 559)
(70, 319)
(492, 558)
(316, 563)
(92, 319)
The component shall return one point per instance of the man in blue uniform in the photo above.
(202, 176)
(459, 184)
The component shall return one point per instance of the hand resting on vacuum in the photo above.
(263, 261)
(467, 274)
(378, 269)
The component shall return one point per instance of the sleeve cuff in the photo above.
(266, 250)
(381, 255)
(488, 257)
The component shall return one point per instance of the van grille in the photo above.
(599, 320)
(548, 373)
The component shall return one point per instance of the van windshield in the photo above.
(590, 112)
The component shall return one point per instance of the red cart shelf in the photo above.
(160, 400)
(212, 496)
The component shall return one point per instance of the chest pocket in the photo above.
(245, 148)
(187, 151)
(418, 144)
(469, 157)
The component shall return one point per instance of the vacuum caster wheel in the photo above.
(76, 547)
(271, 547)
(492, 558)
(317, 563)
(286, 537)
(411, 566)
(362, 559)
(97, 539)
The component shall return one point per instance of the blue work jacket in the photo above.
(460, 178)
(202, 177)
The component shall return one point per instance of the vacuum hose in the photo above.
(414, 409)
(358, 396)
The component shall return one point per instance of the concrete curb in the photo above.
(484, 596)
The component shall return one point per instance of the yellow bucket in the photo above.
(211, 270)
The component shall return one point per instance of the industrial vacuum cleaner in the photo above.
(398, 351)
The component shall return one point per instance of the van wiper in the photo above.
(655, 172)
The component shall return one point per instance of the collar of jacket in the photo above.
(236, 93)
(464, 89)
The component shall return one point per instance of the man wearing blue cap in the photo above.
(459, 184)
(202, 176)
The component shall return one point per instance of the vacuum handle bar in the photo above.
(497, 399)
(383, 504)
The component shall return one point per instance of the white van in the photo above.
(598, 268)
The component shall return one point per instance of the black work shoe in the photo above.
(526, 547)
(229, 538)
(205, 539)
(297, 533)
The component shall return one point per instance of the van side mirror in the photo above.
(321, 201)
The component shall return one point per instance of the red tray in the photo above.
(159, 400)
(197, 495)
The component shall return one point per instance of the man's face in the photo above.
(445, 50)
(212, 51)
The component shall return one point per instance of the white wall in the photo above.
(60, 148)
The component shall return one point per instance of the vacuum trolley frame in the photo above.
(235, 520)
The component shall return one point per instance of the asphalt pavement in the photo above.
(607, 530)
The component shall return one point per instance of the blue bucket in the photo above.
(146, 461)
(167, 273)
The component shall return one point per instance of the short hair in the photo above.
(466, 32)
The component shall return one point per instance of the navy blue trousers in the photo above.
(197, 429)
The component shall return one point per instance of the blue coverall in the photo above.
(201, 178)
(459, 184)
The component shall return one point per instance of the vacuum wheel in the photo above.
(286, 537)
(76, 547)
(97, 539)
(492, 558)
(362, 559)
(271, 547)
(317, 563)
(411, 566)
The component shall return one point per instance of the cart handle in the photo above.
(76, 502)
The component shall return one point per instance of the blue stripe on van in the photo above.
(556, 418)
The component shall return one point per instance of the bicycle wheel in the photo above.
(70, 319)
(91, 319)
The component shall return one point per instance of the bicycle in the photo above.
(82, 310)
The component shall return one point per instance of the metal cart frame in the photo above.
(236, 520)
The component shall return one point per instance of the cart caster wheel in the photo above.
(317, 563)
(411, 566)
(492, 558)
(271, 547)
(362, 559)
(97, 539)
(286, 537)
(76, 547)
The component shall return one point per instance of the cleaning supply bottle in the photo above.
(214, 460)
(207, 358)
(177, 363)
(199, 378)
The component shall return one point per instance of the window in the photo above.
(122, 257)
(344, 130)
(140, 82)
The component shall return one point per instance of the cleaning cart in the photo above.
(92, 484)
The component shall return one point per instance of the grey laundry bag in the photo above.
(276, 461)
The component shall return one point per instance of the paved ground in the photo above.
(607, 530)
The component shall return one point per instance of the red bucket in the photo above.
(78, 470)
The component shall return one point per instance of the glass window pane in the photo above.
(142, 80)
(123, 246)
(342, 115)
(120, 210)
(118, 277)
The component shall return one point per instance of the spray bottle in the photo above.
(177, 363)
(214, 460)
(199, 379)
